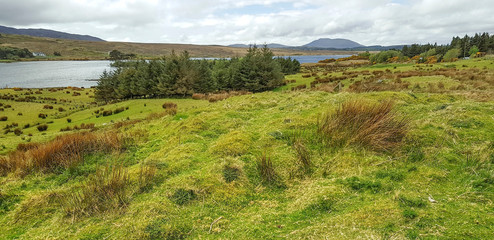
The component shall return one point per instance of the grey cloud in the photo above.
(203, 22)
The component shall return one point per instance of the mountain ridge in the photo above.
(327, 44)
(40, 32)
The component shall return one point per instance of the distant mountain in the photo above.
(270, 45)
(337, 43)
(48, 33)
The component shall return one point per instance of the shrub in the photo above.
(3, 118)
(119, 110)
(17, 131)
(61, 109)
(169, 105)
(66, 129)
(198, 96)
(47, 107)
(69, 120)
(42, 128)
(360, 123)
(182, 196)
(107, 113)
(42, 115)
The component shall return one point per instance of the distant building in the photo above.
(39, 54)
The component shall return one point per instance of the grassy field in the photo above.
(85, 50)
(286, 164)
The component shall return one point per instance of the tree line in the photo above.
(457, 48)
(177, 75)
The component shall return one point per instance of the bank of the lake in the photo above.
(44, 74)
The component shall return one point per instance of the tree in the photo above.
(116, 55)
(451, 55)
(473, 50)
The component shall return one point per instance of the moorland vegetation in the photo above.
(341, 150)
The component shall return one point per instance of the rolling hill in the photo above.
(95, 50)
(48, 33)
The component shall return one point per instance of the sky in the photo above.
(223, 22)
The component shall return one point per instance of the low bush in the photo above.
(42, 115)
(119, 110)
(360, 123)
(169, 105)
(42, 128)
(3, 118)
(17, 131)
(107, 113)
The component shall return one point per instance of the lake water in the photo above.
(45, 74)
(315, 58)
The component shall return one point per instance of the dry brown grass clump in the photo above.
(62, 152)
(360, 123)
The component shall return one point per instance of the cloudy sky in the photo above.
(290, 22)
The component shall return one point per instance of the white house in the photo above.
(39, 54)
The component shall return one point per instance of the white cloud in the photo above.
(369, 22)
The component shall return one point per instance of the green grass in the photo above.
(208, 184)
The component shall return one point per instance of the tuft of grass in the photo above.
(230, 173)
(266, 169)
(147, 174)
(303, 154)
(106, 190)
(405, 201)
(359, 184)
(163, 228)
(183, 196)
(361, 123)
(409, 213)
(63, 152)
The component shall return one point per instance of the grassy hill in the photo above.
(261, 166)
(86, 50)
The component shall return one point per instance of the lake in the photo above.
(45, 74)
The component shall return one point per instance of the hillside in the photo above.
(259, 166)
(72, 49)
(49, 34)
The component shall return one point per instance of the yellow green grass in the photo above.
(437, 185)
